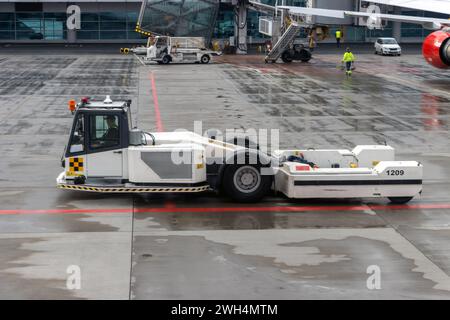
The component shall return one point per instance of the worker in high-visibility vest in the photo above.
(338, 38)
(348, 61)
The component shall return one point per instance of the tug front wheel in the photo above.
(244, 183)
(400, 200)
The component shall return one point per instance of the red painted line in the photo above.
(159, 124)
(64, 211)
(171, 208)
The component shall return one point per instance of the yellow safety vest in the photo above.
(338, 35)
(348, 57)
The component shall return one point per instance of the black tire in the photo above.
(244, 183)
(205, 59)
(166, 59)
(400, 200)
(305, 55)
(286, 57)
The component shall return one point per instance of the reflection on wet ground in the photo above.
(180, 212)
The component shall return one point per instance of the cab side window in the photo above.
(104, 131)
(77, 141)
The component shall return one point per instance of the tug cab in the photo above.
(105, 154)
(98, 141)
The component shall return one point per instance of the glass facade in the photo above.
(414, 30)
(32, 26)
(181, 17)
(408, 30)
(108, 26)
(116, 21)
(224, 26)
(7, 28)
(387, 31)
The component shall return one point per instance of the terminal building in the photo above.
(115, 21)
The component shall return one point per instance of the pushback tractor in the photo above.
(106, 154)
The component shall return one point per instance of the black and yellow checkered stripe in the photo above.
(76, 164)
(132, 190)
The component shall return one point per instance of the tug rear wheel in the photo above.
(244, 183)
(400, 200)
(166, 59)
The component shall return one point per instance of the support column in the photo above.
(73, 22)
(240, 28)
(397, 26)
(72, 36)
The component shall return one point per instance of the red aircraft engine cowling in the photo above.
(436, 49)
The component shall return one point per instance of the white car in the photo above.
(387, 46)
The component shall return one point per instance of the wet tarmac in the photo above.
(205, 246)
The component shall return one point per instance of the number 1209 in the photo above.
(395, 172)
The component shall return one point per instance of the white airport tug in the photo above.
(105, 154)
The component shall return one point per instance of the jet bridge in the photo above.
(179, 18)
